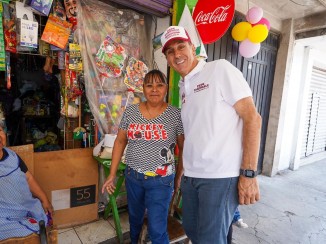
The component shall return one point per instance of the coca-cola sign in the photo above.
(212, 18)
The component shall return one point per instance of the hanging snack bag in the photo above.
(58, 10)
(110, 58)
(75, 59)
(56, 31)
(135, 73)
(28, 33)
(9, 29)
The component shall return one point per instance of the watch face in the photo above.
(250, 173)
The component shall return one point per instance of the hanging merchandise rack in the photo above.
(115, 54)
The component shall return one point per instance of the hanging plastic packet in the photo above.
(8, 70)
(9, 29)
(110, 58)
(135, 73)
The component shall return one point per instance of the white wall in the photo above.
(315, 55)
(159, 58)
(289, 144)
(304, 55)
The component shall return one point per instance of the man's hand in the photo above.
(248, 190)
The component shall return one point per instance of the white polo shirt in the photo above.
(213, 129)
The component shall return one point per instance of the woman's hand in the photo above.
(109, 185)
(177, 181)
(47, 206)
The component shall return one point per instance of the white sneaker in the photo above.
(241, 224)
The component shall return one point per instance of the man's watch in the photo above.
(248, 173)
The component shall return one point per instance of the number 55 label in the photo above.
(84, 195)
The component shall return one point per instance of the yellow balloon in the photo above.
(258, 33)
(240, 31)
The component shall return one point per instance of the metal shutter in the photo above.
(314, 140)
(159, 8)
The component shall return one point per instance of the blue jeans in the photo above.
(153, 194)
(208, 206)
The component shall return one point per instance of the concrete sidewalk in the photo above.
(292, 209)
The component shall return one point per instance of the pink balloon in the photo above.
(254, 15)
(248, 49)
(263, 21)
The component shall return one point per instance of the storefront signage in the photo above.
(213, 18)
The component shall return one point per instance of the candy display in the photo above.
(114, 60)
(98, 64)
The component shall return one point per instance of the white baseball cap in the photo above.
(173, 33)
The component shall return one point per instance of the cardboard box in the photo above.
(70, 180)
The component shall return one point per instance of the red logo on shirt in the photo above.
(201, 87)
(147, 131)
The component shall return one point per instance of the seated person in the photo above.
(20, 212)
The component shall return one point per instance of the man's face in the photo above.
(180, 55)
(3, 138)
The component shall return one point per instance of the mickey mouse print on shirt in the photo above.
(168, 155)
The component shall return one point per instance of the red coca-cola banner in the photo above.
(212, 18)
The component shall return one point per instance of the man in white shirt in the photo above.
(222, 137)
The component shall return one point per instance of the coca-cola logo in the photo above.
(213, 18)
(218, 15)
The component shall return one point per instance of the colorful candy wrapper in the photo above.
(110, 58)
(135, 73)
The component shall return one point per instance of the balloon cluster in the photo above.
(251, 33)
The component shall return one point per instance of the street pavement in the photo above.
(292, 209)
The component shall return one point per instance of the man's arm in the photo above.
(248, 187)
(37, 191)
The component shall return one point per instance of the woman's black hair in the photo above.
(155, 73)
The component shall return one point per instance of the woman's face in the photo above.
(155, 90)
(3, 138)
